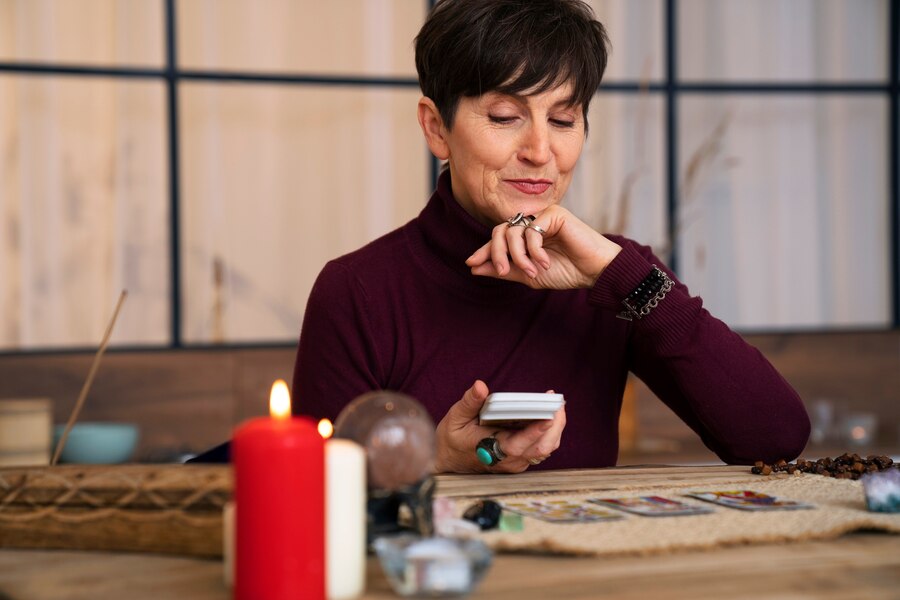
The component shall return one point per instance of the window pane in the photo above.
(636, 32)
(620, 185)
(83, 211)
(778, 40)
(350, 37)
(279, 179)
(784, 209)
(96, 32)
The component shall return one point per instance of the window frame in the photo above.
(670, 87)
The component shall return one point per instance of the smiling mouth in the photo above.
(530, 186)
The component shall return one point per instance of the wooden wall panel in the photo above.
(188, 400)
(183, 400)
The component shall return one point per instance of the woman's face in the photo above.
(511, 154)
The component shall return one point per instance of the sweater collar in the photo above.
(452, 232)
(453, 235)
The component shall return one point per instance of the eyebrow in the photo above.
(524, 99)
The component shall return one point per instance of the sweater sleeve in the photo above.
(721, 386)
(337, 359)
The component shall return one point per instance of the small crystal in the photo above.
(511, 522)
(883, 490)
(485, 514)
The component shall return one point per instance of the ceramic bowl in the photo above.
(97, 443)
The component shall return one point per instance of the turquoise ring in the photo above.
(488, 451)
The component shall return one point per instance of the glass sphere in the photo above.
(397, 433)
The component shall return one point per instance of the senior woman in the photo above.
(496, 286)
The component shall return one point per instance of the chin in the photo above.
(528, 207)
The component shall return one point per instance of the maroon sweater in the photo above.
(404, 313)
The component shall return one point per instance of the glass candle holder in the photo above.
(431, 567)
(859, 428)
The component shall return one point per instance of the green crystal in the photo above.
(512, 522)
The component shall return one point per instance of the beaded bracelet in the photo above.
(646, 296)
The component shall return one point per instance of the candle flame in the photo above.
(326, 429)
(280, 401)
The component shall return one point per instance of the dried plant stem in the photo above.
(218, 308)
(90, 379)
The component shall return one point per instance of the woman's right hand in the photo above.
(458, 434)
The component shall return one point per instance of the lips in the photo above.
(530, 186)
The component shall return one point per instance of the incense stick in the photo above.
(90, 379)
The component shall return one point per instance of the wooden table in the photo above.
(860, 565)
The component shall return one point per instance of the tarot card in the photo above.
(652, 506)
(749, 500)
(560, 511)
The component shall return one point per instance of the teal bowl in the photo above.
(97, 443)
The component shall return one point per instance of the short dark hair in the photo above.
(470, 47)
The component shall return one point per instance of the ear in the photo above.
(433, 127)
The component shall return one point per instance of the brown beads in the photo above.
(845, 466)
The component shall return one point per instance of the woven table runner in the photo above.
(174, 509)
(839, 508)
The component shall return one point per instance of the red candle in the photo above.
(279, 483)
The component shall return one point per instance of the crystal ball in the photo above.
(397, 433)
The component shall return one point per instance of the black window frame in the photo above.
(670, 87)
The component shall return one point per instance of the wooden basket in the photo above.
(170, 509)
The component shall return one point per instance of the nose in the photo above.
(534, 147)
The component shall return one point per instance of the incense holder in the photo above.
(97, 443)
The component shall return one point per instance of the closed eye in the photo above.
(501, 119)
(563, 123)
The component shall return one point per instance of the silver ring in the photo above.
(537, 228)
(517, 219)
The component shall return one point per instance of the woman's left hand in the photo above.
(568, 255)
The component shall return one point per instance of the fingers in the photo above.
(549, 442)
(480, 256)
(499, 249)
(535, 244)
(515, 443)
(534, 443)
(515, 241)
(466, 410)
(458, 432)
(521, 244)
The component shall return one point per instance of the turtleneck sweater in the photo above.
(405, 313)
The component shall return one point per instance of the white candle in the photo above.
(228, 542)
(345, 507)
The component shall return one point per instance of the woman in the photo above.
(496, 286)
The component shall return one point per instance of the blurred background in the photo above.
(211, 155)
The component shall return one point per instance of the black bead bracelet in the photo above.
(646, 296)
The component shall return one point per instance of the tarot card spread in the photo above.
(749, 500)
(652, 506)
(561, 511)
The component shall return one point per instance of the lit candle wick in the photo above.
(326, 429)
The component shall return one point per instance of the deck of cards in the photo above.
(517, 409)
